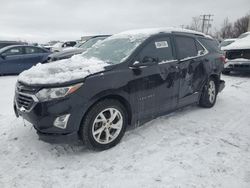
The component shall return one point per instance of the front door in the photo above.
(155, 87)
(12, 60)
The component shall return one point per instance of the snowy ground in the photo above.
(193, 147)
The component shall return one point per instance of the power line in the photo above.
(206, 19)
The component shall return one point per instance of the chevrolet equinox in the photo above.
(126, 79)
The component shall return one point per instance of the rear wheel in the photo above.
(104, 125)
(209, 94)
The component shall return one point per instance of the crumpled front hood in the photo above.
(62, 71)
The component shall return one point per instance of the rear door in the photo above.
(155, 87)
(12, 61)
(192, 73)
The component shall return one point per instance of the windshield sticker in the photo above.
(161, 44)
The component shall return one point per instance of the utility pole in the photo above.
(249, 23)
(206, 19)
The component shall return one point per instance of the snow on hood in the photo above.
(243, 43)
(62, 71)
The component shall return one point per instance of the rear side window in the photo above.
(186, 47)
(33, 50)
(210, 44)
(159, 49)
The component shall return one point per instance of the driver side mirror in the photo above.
(146, 61)
(2, 56)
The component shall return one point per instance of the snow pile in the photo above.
(243, 43)
(178, 150)
(62, 71)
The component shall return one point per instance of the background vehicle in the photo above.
(9, 43)
(77, 49)
(238, 56)
(17, 58)
(129, 78)
(60, 45)
(226, 42)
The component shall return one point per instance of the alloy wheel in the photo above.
(107, 125)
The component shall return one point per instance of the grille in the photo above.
(24, 101)
(240, 65)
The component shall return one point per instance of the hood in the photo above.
(62, 71)
(239, 44)
(66, 53)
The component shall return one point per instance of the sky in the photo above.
(44, 20)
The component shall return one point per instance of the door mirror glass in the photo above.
(2, 56)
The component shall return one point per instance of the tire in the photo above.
(100, 130)
(209, 94)
(226, 72)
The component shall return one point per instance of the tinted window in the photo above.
(186, 47)
(159, 49)
(33, 50)
(13, 51)
(210, 44)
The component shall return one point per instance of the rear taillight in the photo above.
(223, 59)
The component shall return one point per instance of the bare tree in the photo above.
(241, 26)
(227, 29)
(195, 24)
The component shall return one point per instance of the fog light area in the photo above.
(61, 121)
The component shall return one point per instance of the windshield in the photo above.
(90, 42)
(57, 45)
(226, 43)
(79, 44)
(114, 49)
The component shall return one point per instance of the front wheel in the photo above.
(209, 94)
(104, 125)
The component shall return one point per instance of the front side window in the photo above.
(114, 49)
(159, 49)
(13, 51)
(186, 47)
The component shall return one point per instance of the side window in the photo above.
(13, 51)
(160, 49)
(200, 48)
(186, 47)
(33, 50)
(210, 44)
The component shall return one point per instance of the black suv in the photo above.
(144, 74)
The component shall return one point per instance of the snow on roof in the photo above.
(152, 31)
(62, 71)
(243, 43)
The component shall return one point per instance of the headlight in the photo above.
(55, 93)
